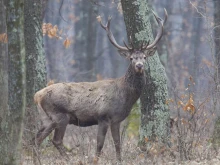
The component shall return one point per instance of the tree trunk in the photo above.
(35, 61)
(91, 42)
(3, 65)
(217, 40)
(216, 98)
(16, 84)
(154, 111)
(85, 41)
(3, 86)
(195, 54)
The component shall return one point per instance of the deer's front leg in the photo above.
(115, 129)
(102, 130)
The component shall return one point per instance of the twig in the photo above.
(60, 11)
(197, 9)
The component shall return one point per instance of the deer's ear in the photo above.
(151, 51)
(124, 53)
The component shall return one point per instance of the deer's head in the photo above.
(138, 56)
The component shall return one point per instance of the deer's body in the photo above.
(104, 103)
(86, 103)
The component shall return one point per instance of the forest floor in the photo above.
(82, 142)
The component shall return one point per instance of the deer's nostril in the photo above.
(139, 66)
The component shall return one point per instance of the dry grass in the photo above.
(191, 139)
(82, 141)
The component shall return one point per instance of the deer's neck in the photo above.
(135, 81)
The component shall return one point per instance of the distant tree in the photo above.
(52, 46)
(154, 111)
(35, 60)
(85, 40)
(13, 125)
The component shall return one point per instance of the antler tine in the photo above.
(166, 16)
(160, 32)
(110, 35)
(142, 44)
(107, 24)
(148, 42)
(132, 44)
(127, 45)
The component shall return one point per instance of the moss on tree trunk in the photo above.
(35, 61)
(3, 66)
(154, 111)
(3, 86)
(13, 125)
(216, 98)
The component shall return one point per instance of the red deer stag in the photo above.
(104, 103)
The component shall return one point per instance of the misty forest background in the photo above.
(76, 48)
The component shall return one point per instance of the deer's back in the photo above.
(85, 101)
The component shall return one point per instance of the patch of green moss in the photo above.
(134, 121)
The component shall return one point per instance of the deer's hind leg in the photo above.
(62, 122)
(48, 126)
(44, 132)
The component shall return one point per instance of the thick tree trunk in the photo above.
(216, 135)
(3, 86)
(3, 66)
(154, 111)
(16, 84)
(216, 39)
(35, 61)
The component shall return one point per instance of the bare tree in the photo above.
(85, 41)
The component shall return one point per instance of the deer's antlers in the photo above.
(143, 46)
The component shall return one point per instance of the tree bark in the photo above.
(154, 111)
(216, 134)
(3, 65)
(216, 39)
(16, 84)
(35, 61)
(3, 86)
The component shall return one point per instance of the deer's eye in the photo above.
(145, 57)
(131, 58)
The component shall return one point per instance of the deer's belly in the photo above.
(82, 123)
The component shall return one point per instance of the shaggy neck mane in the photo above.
(133, 80)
